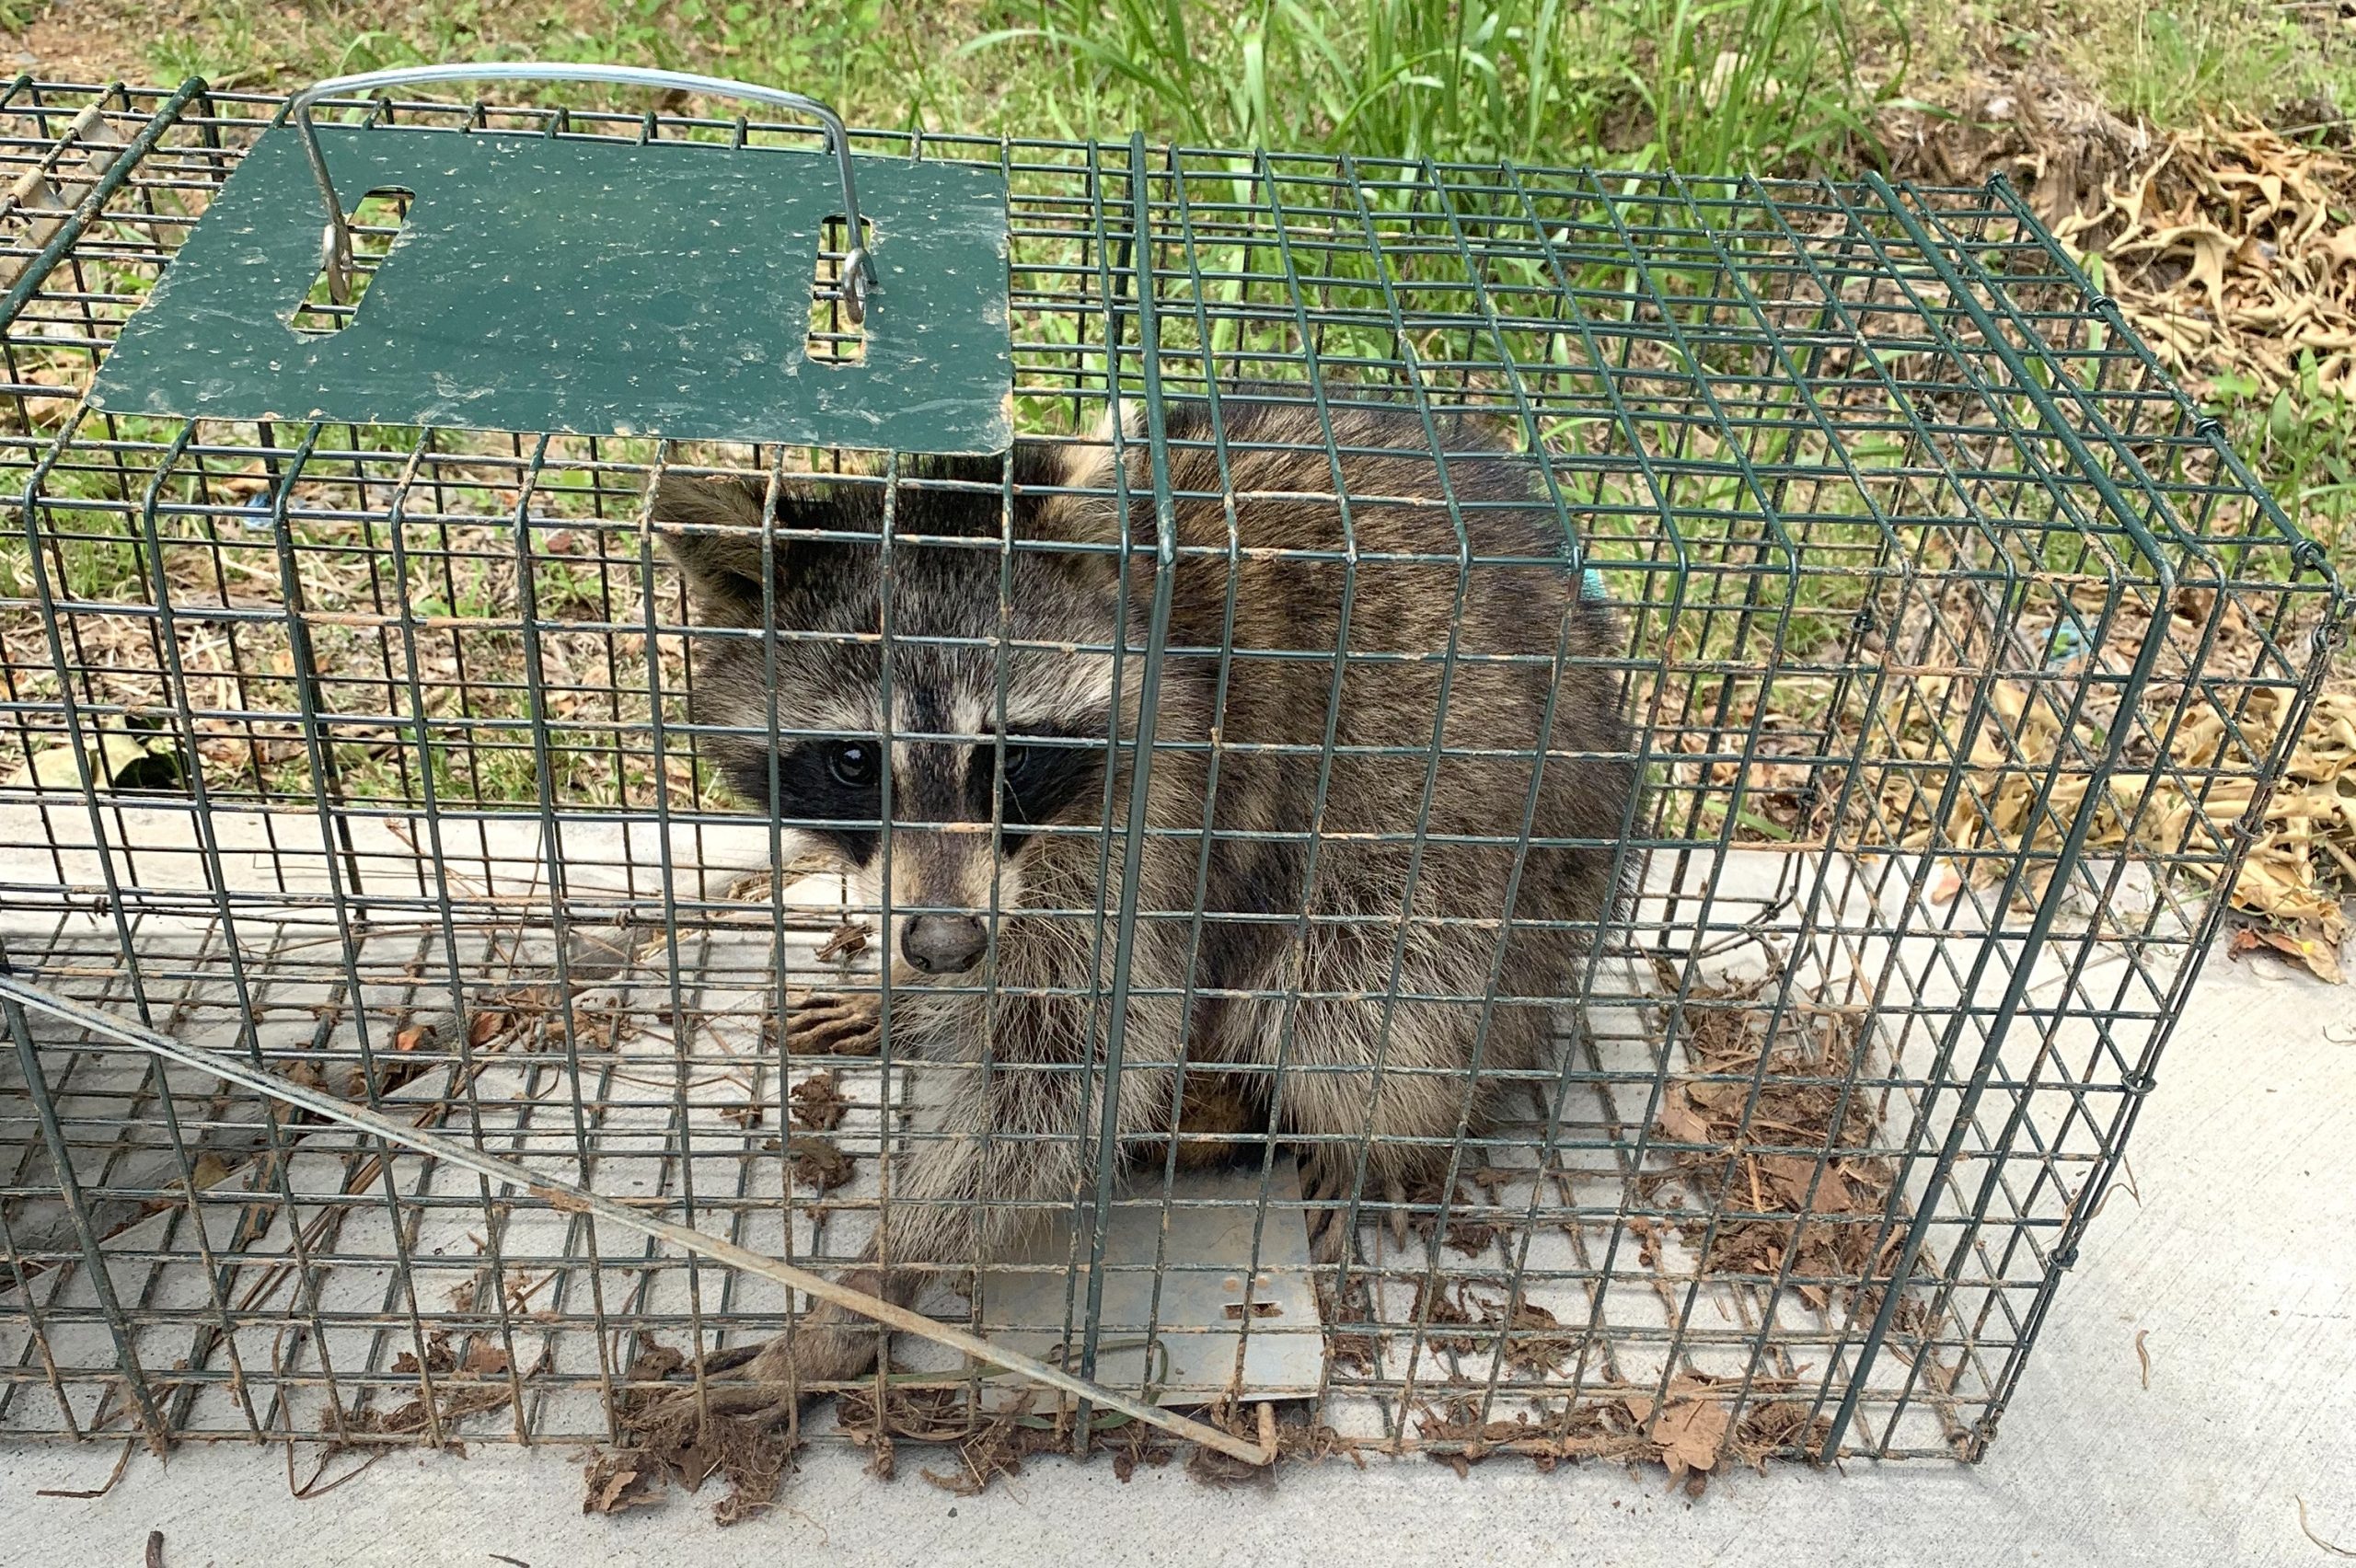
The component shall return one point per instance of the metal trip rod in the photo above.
(858, 269)
(566, 1196)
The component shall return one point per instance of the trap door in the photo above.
(586, 285)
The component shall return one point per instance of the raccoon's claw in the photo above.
(764, 1395)
(727, 1360)
(763, 1405)
(1330, 1241)
(1329, 1198)
(1326, 1203)
(1396, 1196)
(825, 1023)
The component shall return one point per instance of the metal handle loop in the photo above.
(859, 268)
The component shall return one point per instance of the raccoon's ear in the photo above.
(723, 569)
(1087, 463)
(1088, 510)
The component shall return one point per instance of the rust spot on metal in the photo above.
(558, 1198)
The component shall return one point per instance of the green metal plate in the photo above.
(569, 285)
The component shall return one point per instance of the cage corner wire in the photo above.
(1957, 644)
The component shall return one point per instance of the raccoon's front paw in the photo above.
(1326, 1189)
(764, 1383)
(763, 1389)
(826, 1023)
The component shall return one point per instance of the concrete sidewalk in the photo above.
(2238, 1267)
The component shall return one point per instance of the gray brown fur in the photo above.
(1358, 1079)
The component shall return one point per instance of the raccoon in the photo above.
(1358, 982)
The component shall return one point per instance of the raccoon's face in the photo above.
(977, 738)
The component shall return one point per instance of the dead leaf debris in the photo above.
(1777, 1140)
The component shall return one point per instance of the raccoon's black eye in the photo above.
(852, 763)
(1018, 760)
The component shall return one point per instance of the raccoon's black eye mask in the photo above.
(835, 786)
(813, 786)
(1043, 778)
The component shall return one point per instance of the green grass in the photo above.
(1730, 83)
(2299, 439)
(2190, 55)
(1703, 84)
(2170, 65)
(2175, 64)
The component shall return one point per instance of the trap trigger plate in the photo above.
(587, 286)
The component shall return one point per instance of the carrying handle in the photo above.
(858, 269)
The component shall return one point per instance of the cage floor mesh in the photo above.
(1568, 1268)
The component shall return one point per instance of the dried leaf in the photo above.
(1535, 1341)
(484, 1025)
(409, 1039)
(2212, 249)
(2321, 960)
(1470, 1231)
(1677, 1117)
(439, 1357)
(619, 1482)
(116, 760)
(848, 942)
(1691, 1431)
(1435, 1307)
(693, 1464)
(1493, 1179)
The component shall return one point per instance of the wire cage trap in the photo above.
(1938, 657)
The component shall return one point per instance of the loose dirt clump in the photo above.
(817, 1164)
(818, 1103)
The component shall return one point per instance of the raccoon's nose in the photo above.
(943, 944)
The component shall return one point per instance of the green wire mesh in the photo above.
(1960, 651)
